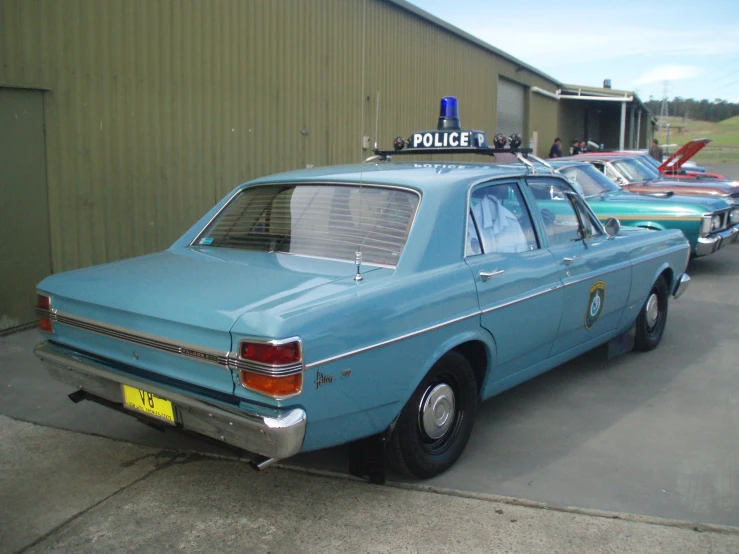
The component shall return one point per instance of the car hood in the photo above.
(200, 287)
(690, 186)
(683, 154)
(669, 205)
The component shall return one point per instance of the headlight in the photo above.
(715, 223)
(734, 216)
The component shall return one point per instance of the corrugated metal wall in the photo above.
(156, 108)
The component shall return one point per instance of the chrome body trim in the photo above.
(207, 355)
(715, 241)
(390, 341)
(518, 300)
(681, 286)
(274, 437)
(481, 312)
(226, 360)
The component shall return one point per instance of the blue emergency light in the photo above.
(450, 138)
(448, 114)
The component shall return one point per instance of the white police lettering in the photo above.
(448, 139)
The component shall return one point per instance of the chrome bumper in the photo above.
(681, 286)
(716, 241)
(276, 436)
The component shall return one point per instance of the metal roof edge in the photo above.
(606, 92)
(415, 10)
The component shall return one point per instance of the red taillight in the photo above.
(277, 356)
(271, 354)
(44, 305)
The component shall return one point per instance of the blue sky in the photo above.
(694, 45)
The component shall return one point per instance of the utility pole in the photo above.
(664, 111)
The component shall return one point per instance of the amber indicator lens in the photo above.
(271, 354)
(44, 323)
(273, 386)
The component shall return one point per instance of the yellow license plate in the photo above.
(148, 403)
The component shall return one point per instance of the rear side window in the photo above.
(325, 221)
(499, 221)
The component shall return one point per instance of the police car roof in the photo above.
(422, 175)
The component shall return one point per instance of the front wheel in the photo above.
(435, 424)
(650, 324)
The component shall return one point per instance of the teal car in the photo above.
(708, 223)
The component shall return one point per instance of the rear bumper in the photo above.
(277, 435)
(681, 286)
(716, 241)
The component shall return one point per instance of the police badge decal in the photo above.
(596, 299)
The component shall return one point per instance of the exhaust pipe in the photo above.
(261, 463)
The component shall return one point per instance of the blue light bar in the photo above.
(449, 114)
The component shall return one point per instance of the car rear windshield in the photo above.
(319, 220)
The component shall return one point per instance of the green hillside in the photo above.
(731, 122)
(724, 134)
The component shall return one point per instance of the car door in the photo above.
(517, 280)
(594, 269)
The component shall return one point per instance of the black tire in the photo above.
(413, 447)
(650, 324)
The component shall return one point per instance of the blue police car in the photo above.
(373, 304)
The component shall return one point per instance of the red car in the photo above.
(635, 173)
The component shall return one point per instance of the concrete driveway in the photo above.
(655, 434)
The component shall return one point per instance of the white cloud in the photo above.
(549, 46)
(669, 72)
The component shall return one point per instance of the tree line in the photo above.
(705, 110)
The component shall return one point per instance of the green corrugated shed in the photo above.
(154, 109)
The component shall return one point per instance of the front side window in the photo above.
(554, 202)
(324, 220)
(499, 221)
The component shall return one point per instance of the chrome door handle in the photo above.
(485, 275)
(570, 259)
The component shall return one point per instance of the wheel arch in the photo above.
(651, 225)
(477, 346)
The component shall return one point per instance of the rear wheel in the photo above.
(650, 324)
(435, 424)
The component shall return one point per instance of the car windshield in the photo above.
(591, 181)
(324, 220)
(635, 170)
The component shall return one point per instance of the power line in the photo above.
(725, 86)
(725, 75)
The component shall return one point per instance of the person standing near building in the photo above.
(556, 150)
(583, 147)
(655, 151)
(575, 150)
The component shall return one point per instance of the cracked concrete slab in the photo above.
(48, 476)
(214, 505)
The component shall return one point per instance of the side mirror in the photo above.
(612, 226)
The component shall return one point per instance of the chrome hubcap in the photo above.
(652, 311)
(437, 411)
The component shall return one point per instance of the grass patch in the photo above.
(724, 147)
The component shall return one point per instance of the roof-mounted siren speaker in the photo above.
(448, 114)
(606, 83)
